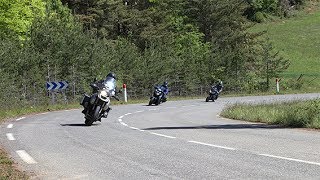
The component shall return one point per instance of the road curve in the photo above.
(175, 140)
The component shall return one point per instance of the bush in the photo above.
(259, 17)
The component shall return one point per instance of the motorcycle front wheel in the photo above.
(207, 99)
(88, 122)
(158, 101)
(151, 102)
(96, 114)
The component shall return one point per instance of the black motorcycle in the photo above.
(158, 96)
(96, 106)
(213, 94)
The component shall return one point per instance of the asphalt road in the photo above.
(175, 140)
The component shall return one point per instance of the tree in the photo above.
(16, 16)
(273, 63)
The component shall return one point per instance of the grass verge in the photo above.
(302, 114)
(8, 169)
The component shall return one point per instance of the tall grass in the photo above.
(304, 114)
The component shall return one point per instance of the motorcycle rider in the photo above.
(165, 90)
(111, 77)
(219, 86)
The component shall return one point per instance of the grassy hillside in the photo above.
(298, 39)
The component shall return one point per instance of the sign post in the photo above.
(125, 92)
(56, 86)
(278, 85)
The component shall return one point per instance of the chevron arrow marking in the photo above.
(57, 85)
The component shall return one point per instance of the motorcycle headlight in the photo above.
(210, 91)
(103, 95)
(158, 92)
(113, 93)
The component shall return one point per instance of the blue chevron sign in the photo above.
(57, 85)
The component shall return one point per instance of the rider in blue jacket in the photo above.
(165, 89)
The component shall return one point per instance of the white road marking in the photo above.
(20, 118)
(10, 126)
(120, 120)
(212, 145)
(10, 136)
(128, 114)
(124, 124)
(121, 117)
(163, 135)
(134, 128)
(26, 157)
(291, 159)
(138, 111)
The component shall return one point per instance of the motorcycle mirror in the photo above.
(94, 86)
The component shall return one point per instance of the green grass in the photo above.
(304, 114)
(298, 39)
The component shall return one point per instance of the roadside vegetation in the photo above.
(190, 44)
(8, 170)
(301, 114)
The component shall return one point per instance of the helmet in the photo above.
(165, 83)
(113, 75)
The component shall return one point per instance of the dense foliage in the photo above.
(190, 44)
(259, 10)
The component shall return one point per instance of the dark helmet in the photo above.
(165, 83)
(113, 75)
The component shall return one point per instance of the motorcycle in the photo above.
(158, 96)
(98, 103)
(213, 94)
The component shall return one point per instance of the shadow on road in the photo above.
(77, 125)
(224, 126)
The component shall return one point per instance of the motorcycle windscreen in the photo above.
(110, 84)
